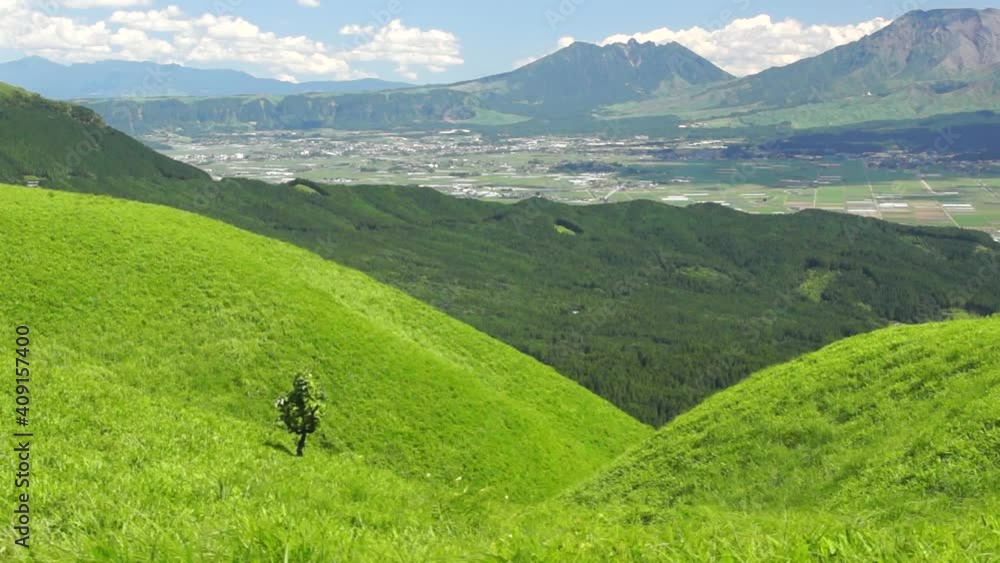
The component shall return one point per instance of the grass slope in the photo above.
(634, 274)
(882, 447)
(891, 433)
(160, 342)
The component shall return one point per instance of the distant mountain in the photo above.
(941, 50)
(923, 64)
(567, 84)
(122, 79)
(584, 76)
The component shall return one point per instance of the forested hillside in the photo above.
(63, 144)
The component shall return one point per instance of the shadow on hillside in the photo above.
(280, 447)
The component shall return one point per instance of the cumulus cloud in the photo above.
(309, 3)
(52, 36)
(134, 44)
(750, 45)
(169, 35)
(166, 20)
(408, 47)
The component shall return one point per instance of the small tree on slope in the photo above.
(300, 411)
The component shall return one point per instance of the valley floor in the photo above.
(588, 170)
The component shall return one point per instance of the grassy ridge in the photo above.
(881, 447)
(198, 327)
(900, 422)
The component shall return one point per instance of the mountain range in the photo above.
(920, 50)
(923, 64)
(125, 79)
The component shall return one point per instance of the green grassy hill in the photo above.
(887, 445)
(160, 339)
(160, 342)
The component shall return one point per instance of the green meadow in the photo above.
(160, 340)
(788, 430)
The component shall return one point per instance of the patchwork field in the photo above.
(586, 170)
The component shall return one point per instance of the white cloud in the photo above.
(750, 45)
(229, 27)
(166, 20)
(137, 45)
(355, 29)
(309, 3)
(52, 36)
(169, 35)
(408, 47)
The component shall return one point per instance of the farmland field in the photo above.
(586, 170)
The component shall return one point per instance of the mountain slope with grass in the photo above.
(882, 447)
(182, 310)
(650, 306)
(159, 340)
(898, 423)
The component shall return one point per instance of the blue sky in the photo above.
(427, 40)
